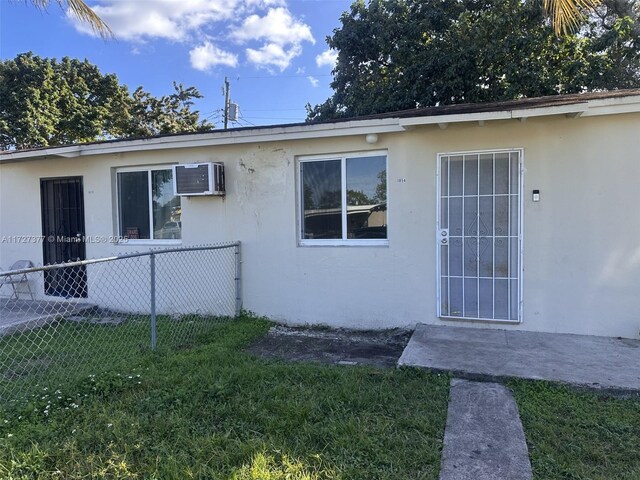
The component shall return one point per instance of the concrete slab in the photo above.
(603, 363)
(483, 439)
(22, 315)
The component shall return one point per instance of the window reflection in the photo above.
(136, 190)
(322, 199)
(166, 206)
(366, 198)
(133, 200)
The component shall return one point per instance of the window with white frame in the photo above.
(148, 208)
(343, 199)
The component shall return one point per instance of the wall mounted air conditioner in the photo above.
(198, 179)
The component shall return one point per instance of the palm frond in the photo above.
(566, 14)
(83, 12)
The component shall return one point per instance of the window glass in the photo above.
(324, 191)
(367, 197)
(133, 200)
(322, 199)
(136, 196)
(166, 206)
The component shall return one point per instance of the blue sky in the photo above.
(273, 51)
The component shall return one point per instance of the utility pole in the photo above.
(226, 102)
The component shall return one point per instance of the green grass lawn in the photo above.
(65, 351)
(212, 411)
(579, 436)
(200, 407)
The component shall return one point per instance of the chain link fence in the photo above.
(71, 320)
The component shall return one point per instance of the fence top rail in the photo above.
(148, 253)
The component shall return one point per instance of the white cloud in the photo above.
(207, 55)
(265, 3)
(277, 26)
(313, 80)
(281, 33)
(168, 19)
(269, 33)
(141, 20)
(272, 54)
(328, 58)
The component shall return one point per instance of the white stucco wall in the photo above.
(581, 241)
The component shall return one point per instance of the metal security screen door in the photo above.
(479, 235)
(62, 202)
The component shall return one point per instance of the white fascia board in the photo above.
(237, 138)
(572, 108)
(608, 102)
(613, 109)
(590, 108)
(502, 115)
(606, 106)
(454, 118)
(221, 137)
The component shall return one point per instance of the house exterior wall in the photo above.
(581, 241)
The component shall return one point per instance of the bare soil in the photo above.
(380, 348)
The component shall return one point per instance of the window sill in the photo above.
(344, 243)
(149, 242)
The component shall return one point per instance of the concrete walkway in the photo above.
(595, 362)
(483, 438)
(22, 315)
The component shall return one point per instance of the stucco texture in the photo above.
(581, 242)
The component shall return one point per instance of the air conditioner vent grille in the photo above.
(199, 179)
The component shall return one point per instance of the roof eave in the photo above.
(606, 106)
(220, 137)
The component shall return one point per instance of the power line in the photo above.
(274, 118)
(272, 109)
(215, 114)
(247, 121)
(283, 76)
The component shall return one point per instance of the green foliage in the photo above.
(381, 188)
(579, 436)
(167, 114)
(213, 411)
(401, 54)
(45, 102)
(358, 197)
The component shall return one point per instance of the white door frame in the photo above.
(520, 269)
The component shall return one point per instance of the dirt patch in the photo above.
(381, 348)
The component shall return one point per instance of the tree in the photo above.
(381, 188)
(82, 11)
(564, 14)
(395, 55)
(358, 197)
(45, 102)
(168, 114)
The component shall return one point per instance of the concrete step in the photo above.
(598, 363)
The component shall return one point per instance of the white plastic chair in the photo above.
(17, 279)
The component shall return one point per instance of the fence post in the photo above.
(238, 293)
(152, 258)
